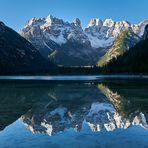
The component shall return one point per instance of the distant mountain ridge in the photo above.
(104, 33)
(69, 45)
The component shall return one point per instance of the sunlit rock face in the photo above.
(57, 30)
(104, 33)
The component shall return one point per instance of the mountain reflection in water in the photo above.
(74, 105)
(54, 107)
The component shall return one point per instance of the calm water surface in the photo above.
(102, 114)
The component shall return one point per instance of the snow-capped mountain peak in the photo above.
(108, 30)
(53, 28)
(95, 22)
(52, 36)
(98, 32)
(108, 23)
(49, 19)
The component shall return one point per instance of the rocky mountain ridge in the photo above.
(60, 40)
(104, 33)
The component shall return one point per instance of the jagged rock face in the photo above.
(51, 35)
(51, 28)
(104, 33)
(145, 35)
(95, 22)
(17, 54)
(63, 41)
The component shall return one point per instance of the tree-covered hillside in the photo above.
(133, 61)
(124, 41)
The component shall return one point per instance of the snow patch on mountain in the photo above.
(96, 42)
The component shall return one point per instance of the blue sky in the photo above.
(16, 12)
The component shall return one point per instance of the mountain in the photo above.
(133, 61)
(69, 45)
(104, 33)
(64, 43)
(19, 55)
(124, 41)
